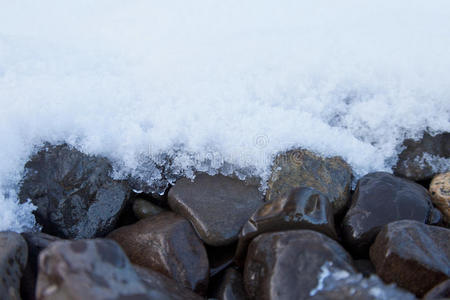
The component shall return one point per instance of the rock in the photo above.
(303, 208)
(74, 193)
(13, 258)
(422, 159)
(336, 284)
(441, 291)
(162, 287)
(92, 269)
(413, 255)
(36, 241)
(143, 209)
(381, 198)
(302, 168)
(440, 194)
(364, 266)
(232, 286)
(168, 244)
(220, 258)
(217, 206)
(287, 264)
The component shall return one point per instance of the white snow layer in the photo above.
(219, 86)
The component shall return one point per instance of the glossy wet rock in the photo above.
(13, 258)
(303, 208)
(302, 168)
(413, 255)
(381, 198)
(74, 193)
(439, 292)
(166, 243)
(232, 286)
(414, 161)
(143, 209)
(440, 194)
(287, 264)
(217, 206)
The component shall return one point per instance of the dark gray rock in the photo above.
(287, 264)
(168, 244)
(143, 209)
(13, 258)
(232, 286)
(441, 291)
(381, 198)
(303, 208)
(416, 161)
(413, 255)
(74, 193)
(302, 168)
(217, 206)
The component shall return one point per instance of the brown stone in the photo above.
(143, 209)
(168, 244)
(232, 286)
(440, 194)
(439, 292)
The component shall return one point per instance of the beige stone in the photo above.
(440, 194)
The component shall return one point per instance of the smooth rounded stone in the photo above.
(232, 286)
(302, 168)
(381, 198)
(90, 269)
(413, 255)
(36, 241)
(162, 287)
(337, 284)
(440, 194)
(74, 193)
(143, 209)
(217, 206)
(13, 258)
(168, 244)
(441, 291)
(422, 159)
(303, 208)
(287, 264)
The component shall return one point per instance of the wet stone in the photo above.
(232, 286)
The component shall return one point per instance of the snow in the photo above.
(217, 86)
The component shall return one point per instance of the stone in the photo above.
(303, 208)
(422, 159)
(441, 291)
(440, 194)
(414, 255)
(36, 241)
(143, 209)
(74, 193)
(92, 269)
(217, 206)
(381, 198)
(232, 286)
(220, 258)
(168, 244)
(13, 258)
(302, 168)
(287, 264)
(336, 284)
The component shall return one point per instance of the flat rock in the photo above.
(232, 286)
(303, 208)
(440, 194)
(287, 264)
(144, 209)
(413, 255)
(441, 291)
(422, 159)
(13, 258)
(74, 193)
(302, 168)
(217, 206)
(167, 243)
(381, 198)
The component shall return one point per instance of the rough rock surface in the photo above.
(303, 208)
(302, 168)
(381, 198)
(143, 209)
(287, 264)
(414, 161)
(74, 193)
(168, 244)
(413, 255)
(13, 258)
(217, 206)
(440, 194)
(232, 286)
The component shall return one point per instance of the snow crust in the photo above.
(166, 88)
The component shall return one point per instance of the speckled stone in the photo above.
(440, 194)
